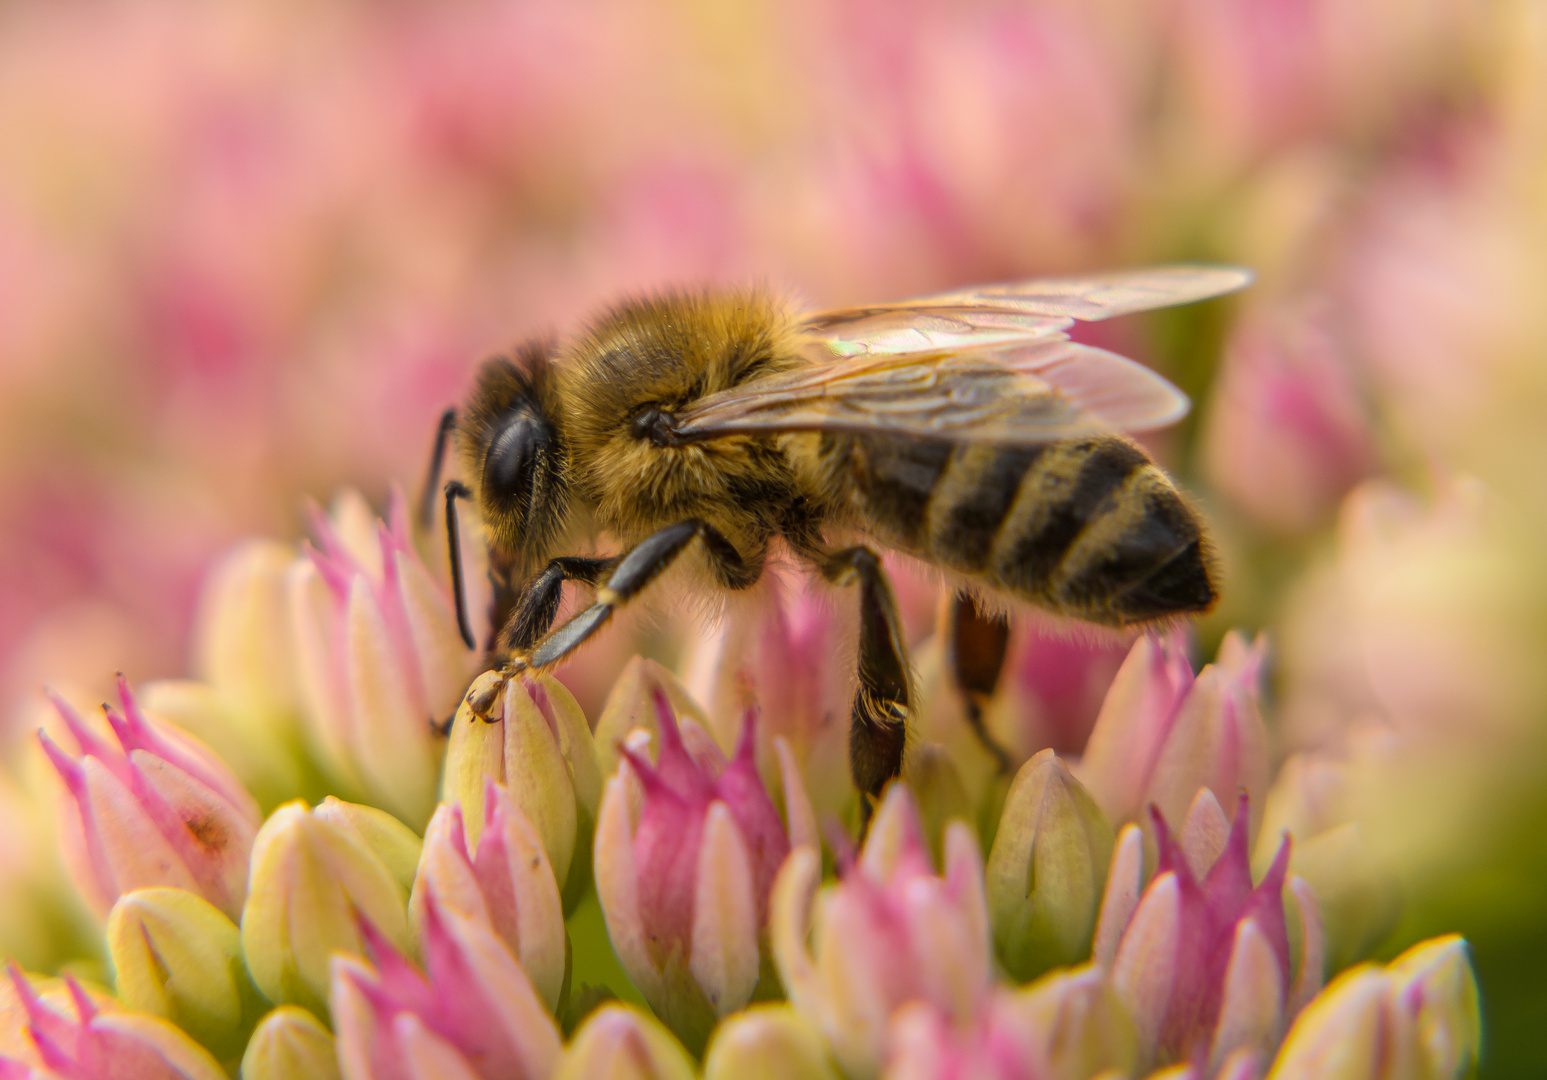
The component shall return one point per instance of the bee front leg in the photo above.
(878, 725)
(630, 575)
(531, 615)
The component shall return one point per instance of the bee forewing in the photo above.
(896, 331)
(1026, 393)
(1091, 297)
(1014, 311)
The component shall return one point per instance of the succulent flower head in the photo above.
(684, 883)
(505, 882)
(472, 1008)
(150, 806)
(381, 662)
(1164, 734)
(95, 1043)
(1203, 961)
(889, 931)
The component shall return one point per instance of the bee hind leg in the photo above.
(878, 725)
(975, 650)
(630, 576)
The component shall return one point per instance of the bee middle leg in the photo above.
(878, 722)
(630, 575)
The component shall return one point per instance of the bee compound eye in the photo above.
(510, 462)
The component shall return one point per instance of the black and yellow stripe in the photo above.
(1085, 527)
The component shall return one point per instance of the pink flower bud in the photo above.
(506, 883)
(1163, 735)
(684, 882)
(150, 806)
(381, 663)
(1203, 963)
(93, 1043)
(471, 1013)
(888, 932)
(790, 657)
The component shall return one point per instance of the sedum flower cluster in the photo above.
(653, 891)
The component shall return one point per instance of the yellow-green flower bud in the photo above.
(290, 1044)
(1047, 869)
(178, 957)
(537, 746)
(312, 882)
(393, 842)
(768, 1042)
(620, 1043)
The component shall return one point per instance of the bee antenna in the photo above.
(455, 489)
(448, 424)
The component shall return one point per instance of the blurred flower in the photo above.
(1163, 735)
(380, 661)
(538, 747)
(176, 957)
(767, 1042)
(1203, 962)
(1046, 870)
(150, 807)
(1287, 432)
(1416, 1017)
(1357, 896)
(290, 1044)
(791, 657)
(684, 880)
(506, 884)
(471, 1013)
(620, 1043)
(312, 881)
(94, 1043)
(888, 932)
(1068, 1026)
(242, 643)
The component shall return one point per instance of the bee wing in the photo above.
(1028, 393)
(1021, 311)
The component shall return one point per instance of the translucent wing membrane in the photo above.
(1017, 311)
(989, 364)
(1029, 393)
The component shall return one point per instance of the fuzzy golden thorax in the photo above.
(656, 355)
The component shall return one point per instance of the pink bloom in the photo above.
(101, 1045)
(1288, 435)
(1202, 961)
(380, 661)
(506, 883)
(1163, 735)
(151, 806)
(791, 657)
(684, 882)
(471, 1013)
(890, 931)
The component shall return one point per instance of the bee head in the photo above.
(511, 444)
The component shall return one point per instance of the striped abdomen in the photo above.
(1085, 527)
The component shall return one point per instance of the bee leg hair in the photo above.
(538, 602)
(878, 727)
(630, 574)
(975, 650)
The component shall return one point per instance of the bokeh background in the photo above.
(249, 249)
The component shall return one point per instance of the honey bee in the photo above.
(965, 429)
